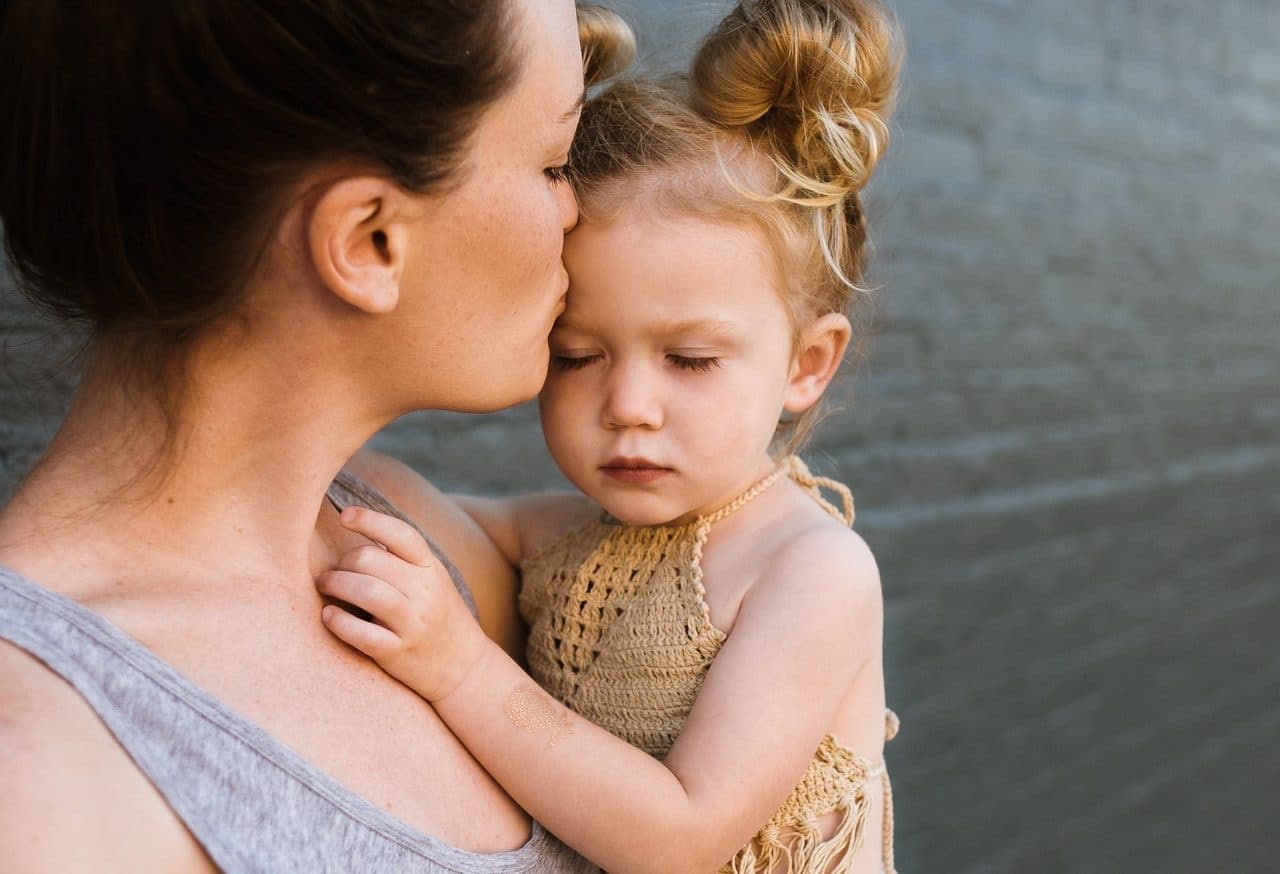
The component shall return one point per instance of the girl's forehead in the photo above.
(658, 255)
(669, 277)
(655, 325)
(653, 238)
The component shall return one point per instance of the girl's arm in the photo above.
(521, 524)
(800, 638)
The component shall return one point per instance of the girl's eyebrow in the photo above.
(573, 111)
(711, 327)
(717, 329)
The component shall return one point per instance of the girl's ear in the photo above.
(357, 237)
(822, 346)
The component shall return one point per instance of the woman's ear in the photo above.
(357, 239)
(822, 346)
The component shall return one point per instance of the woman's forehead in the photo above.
(550, 86)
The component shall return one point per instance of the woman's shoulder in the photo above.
(37, 734)
(63, 769)
(35, 703)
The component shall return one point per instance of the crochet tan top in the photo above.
(620, 631)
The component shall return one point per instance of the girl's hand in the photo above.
(421, 631)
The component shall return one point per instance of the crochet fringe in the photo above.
(804, 850)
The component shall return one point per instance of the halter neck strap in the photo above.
(739, 502)
(814, 486)
(793, 467)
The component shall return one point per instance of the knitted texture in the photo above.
(620, 631)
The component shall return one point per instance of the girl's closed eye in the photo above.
(573, 362)
(696, 363)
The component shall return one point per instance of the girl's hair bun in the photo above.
(608, 44)
(813, 81)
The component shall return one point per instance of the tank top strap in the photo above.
(347, 490)
(251, 802)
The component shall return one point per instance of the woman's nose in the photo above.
(632, 400)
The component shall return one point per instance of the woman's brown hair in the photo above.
(148, 147)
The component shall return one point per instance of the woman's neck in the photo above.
(234, 489)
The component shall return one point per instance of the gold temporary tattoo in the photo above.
(532, 711)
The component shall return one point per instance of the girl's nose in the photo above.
(632, 400)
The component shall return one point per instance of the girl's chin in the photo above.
(645, 517)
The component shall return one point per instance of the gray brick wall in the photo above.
(1064, 442)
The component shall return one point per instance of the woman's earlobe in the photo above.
(355, 243)
(820, 354)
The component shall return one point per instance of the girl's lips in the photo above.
(635, 474)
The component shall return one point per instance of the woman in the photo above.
(285, 224)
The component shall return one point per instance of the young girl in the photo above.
(707, 626)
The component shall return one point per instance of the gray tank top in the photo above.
(251, 802)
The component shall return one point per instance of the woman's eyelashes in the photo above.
(557, 173)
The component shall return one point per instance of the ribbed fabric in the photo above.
(619, 630)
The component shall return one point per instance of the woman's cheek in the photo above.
(551, 227)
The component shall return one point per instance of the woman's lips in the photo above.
(634, 472)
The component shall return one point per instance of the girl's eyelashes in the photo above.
(698, 364)
(695, 363)
(558, 173)
(573, 362)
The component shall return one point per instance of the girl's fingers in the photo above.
(375, 596)
(399, 537)
(370, 638)
(374, 561)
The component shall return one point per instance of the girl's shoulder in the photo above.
(827, 557)
(815, 604)
(822, 566)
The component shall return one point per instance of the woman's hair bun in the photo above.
(815, 80)
(608, 43)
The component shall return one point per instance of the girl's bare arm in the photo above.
(519, 525)
(798, 643)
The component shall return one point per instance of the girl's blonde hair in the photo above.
(781, 121)
(608, 44)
